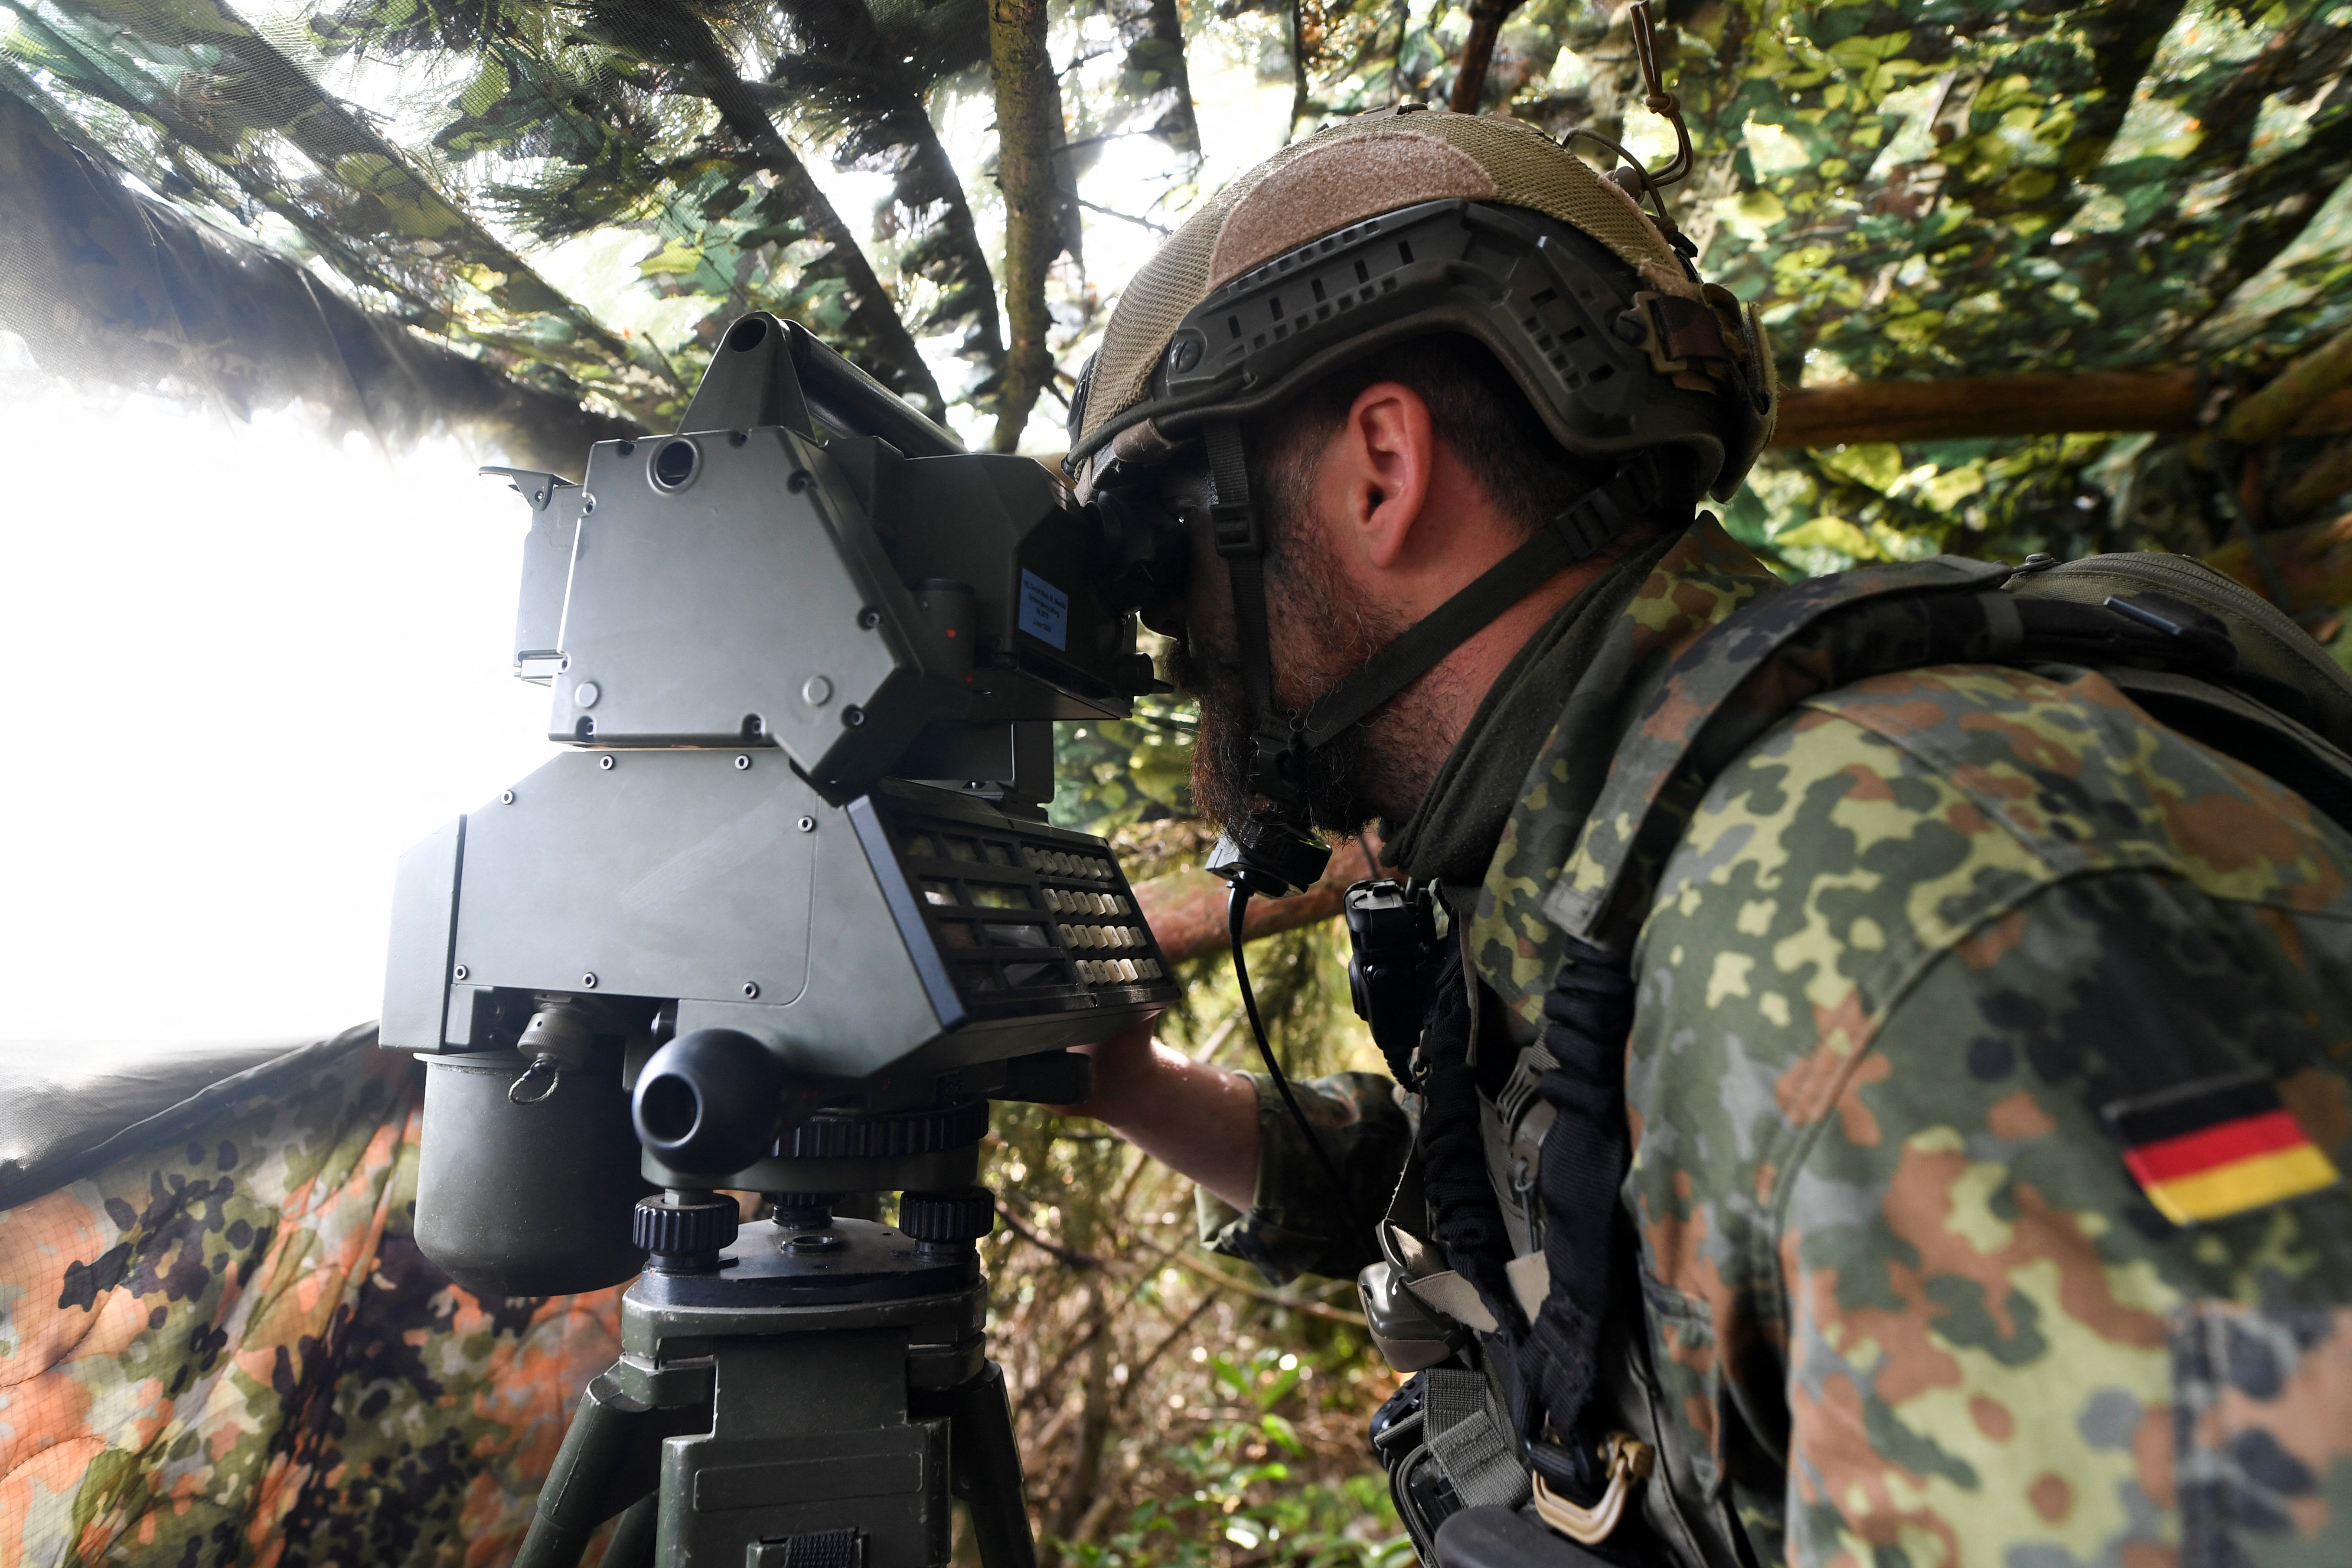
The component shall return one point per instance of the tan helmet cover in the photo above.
(1356, 169)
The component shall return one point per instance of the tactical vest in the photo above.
(1514, 1370)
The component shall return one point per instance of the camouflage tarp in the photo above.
(1910, 189)
(228, 1349)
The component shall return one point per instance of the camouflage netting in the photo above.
(370, 204)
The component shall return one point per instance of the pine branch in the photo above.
(249, 82)
(710, 72)
(867, 77)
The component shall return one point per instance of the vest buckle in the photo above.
(1629, 1459)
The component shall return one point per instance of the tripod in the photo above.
(803, 1394)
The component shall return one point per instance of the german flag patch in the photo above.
(2207, 1150)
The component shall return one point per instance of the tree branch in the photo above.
(1224, 1282)
(866, 80)
(1487, 18)
(872, 312)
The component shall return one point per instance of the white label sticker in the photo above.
(1045, 611)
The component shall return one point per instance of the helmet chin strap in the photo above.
(1274, 852)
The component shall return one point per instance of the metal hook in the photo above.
(541, 1063)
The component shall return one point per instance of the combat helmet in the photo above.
(1404, 224)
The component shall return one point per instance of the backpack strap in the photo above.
(1712, 704)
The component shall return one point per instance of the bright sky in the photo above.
(251, 667)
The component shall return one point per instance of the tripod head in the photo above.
(787, 912)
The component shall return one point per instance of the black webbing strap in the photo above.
(1465, 1217)
(1241, 540)
(1587, 1018)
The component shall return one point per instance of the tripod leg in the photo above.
(609, 1439)
(985, 1470)
(632, 1545)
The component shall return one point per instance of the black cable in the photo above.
(1237, 906)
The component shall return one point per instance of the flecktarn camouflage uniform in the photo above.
(1907, 1303)
(229, 1350)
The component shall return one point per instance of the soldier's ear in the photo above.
(1375, 474)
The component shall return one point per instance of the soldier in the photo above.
(1975, 1198)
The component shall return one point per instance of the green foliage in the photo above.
(1245, 1503)
(1109, 774)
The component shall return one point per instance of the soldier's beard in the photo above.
(1319, 643)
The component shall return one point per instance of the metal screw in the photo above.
(750, 991)
(605, 761)
(587, 693)
(870, 617)
(816, 691)
(588, 982)
(587, 505)
(808, 825)
(736, 437)
(853, 715)
(742, 762)
(505, 797)
(802, 479)
(460, 971)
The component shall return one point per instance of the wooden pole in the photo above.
(1979, 406)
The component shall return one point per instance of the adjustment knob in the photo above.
(685, 1236)
(706, 1103)
(959, 1214)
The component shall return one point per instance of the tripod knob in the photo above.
(959, 1214)
(706, 1104)
(685, 1237)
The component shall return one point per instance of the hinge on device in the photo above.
(533, 485)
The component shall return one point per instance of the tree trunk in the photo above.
(1155, 77)
(1027, 127)
(1094, 1427)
